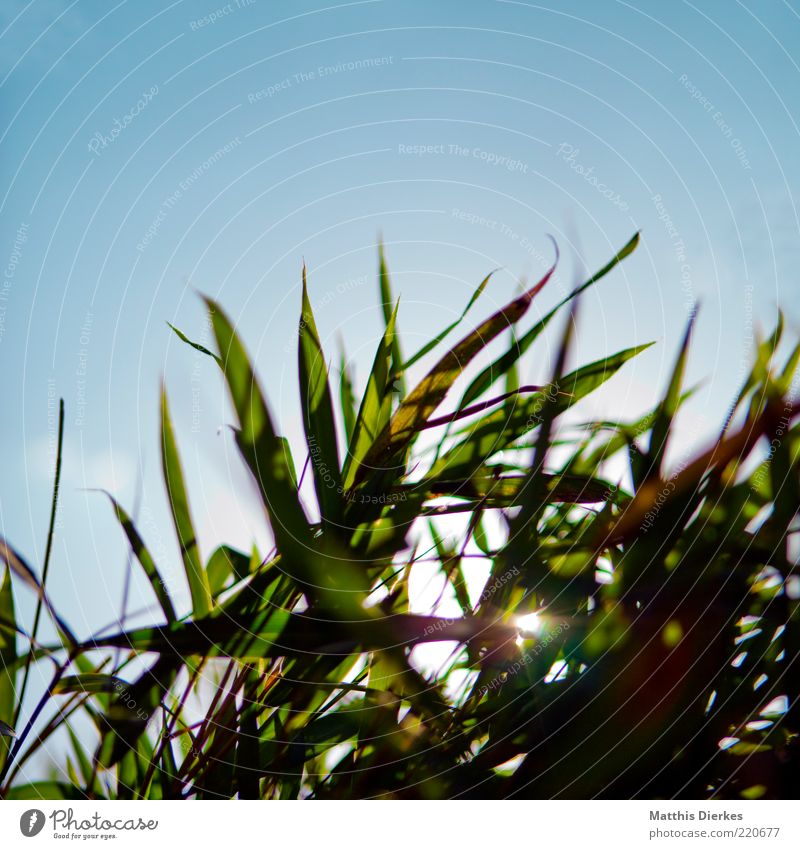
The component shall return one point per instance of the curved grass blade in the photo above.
(224, 562)
(266, 455)
(501, 365)
(280, 633)
(23, 571)
(196, 345)
(416, 409)
(429, 346)
(502, 428)
(507, 490)
(144, 557)
(123, 725)
(263, 450)
(481, 406)
(733, 449)
(764, 353)
(91, 682)
(533, 499)
(46, 567)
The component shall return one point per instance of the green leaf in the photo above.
(390, 446)
(665, 414)
(328, 731)
(502, 428)
(481, 540)
(8, 655)
(758, 373)
(347, 399)
(262, 449)
(318, 417)
(126, 719)
(519, 346)
(23, 571)
(508, 490)
(181, 517)
(82, 758)
(195, 345)
(387, 300)
(451, 566)
(46, 791)
(788, 373)
(266, 454)
(278, 633)
(429, 346)
(533, 496)
(144, 558)
(224, 562)
(376, 406)
(91, 682)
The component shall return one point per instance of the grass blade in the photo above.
(181, 517)
(347, 398)
(501, 366)
(8, 658)
(318, 418)
(196, 345)
(144, 557)
(92, 682)
(659, 434)
(376, 405)
(387, 301)
(414, 411)
(502, 428)
(429, 346)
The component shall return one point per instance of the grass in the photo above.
(628, 642)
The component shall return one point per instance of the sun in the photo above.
(530, 625)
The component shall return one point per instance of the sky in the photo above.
(151, 152)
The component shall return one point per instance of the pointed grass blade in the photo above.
(376, 405)
(502, 365)
(318, 417)
(347, 399)
(502, 428)
(196, 345)
(144, 558)
(429, 346)
(90, 682)
(181, 517)
(387, 300)
(265, 453)
(414, 411)
(23, 571)
(8, 658)
(662, 424)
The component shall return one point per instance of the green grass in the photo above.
(659, 653)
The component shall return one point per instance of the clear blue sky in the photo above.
(152, 149)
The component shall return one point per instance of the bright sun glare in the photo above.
(530, 625)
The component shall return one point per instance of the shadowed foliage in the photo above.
(628, 622)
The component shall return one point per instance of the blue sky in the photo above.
(149, 151)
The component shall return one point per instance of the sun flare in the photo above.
(530, 625)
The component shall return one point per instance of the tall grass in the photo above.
(635, 641)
